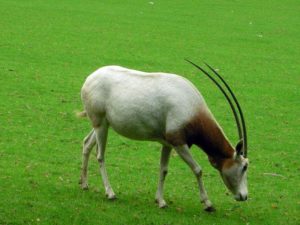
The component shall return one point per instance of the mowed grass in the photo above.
(47, 48)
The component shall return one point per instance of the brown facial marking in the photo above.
(221, 163)
(227, 163)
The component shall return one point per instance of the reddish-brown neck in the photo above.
(205, 132)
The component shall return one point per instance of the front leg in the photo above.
(183, 152)
(164, 161)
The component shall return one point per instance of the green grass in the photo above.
(47, 48)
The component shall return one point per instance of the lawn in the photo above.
(47, 48)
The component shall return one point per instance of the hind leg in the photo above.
(101, 137)
(88, 143)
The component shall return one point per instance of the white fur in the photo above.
(142, 106)
(236, 179)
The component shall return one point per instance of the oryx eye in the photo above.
(244, 168)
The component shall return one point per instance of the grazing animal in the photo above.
(166, 108)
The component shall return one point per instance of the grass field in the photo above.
(47, 48)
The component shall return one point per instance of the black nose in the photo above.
(243, 198)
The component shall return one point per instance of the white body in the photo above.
(141, 105)
(157, 107)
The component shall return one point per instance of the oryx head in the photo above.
(232, 170)
(234, 174)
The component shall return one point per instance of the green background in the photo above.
(48, 48)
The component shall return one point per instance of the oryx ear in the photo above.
(239, 147)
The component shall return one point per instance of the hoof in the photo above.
(210, 209)
(85, 187)
(161, 204)
(83, 183)
(111, 197)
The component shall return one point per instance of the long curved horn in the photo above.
(240, 132)
(245, 147)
